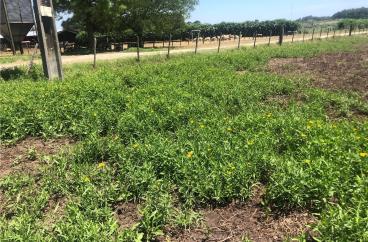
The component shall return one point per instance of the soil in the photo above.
(238, 222)
(127, 215)
(347, 71)
(26, 156)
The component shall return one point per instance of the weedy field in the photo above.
(213, 147)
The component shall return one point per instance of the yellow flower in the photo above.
(363, 154)
(136, 146)
(86, 179)
(303, 135)
(190, 154)
(269, 115)
(202, 126)
(250, 142)
(307, 162)
(229, 129)
(101, 165)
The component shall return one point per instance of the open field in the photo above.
(264, 144)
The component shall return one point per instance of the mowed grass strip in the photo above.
(172, 136)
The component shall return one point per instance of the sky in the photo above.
(215, 11)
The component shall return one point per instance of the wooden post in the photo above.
(292, 40)
(334, 34)
(304, 35)
(9, 28)
(313, 33)
(328, 32)
(203, 38)
(138, 49)
(281, 38)
(196, 45)
(351, 30)
(169, 47)
(320, 34)
(48, 39)
(94, 51)
(240, 36)
(269, 38)
(219, 44)
(255, 39)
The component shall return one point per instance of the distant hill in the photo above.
(314, 18)
(356, 13)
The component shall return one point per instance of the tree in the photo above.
(157, 16)
(356, 13)
(105, 16)
(92, 16)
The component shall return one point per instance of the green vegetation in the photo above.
(355, 13)
(173, 135)
(354, 23)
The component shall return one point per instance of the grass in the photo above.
(174, 135)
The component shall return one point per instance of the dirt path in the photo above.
(207, 47)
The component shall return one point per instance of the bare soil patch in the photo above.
(26, 155)
(237, 222)
(127, 215)
(346, 71)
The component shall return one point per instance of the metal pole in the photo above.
(9, 28)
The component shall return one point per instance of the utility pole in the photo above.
(48, 39)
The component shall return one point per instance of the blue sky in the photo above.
(215, 11)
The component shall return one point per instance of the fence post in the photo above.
(169, 47)
(292, 40)
(196, 46)
(281, 38)
(138, 54)
(351, 30)
(334, 34)
(313, 33)
(240, 36)
(269, 38)
(328, 32)
(303, 35)
(94, 51)
(255, 39)
(219, 44)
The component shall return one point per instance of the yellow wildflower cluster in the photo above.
(363, 154)
(101, 165)
(190, 154)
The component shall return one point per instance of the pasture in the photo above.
(256, 144)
